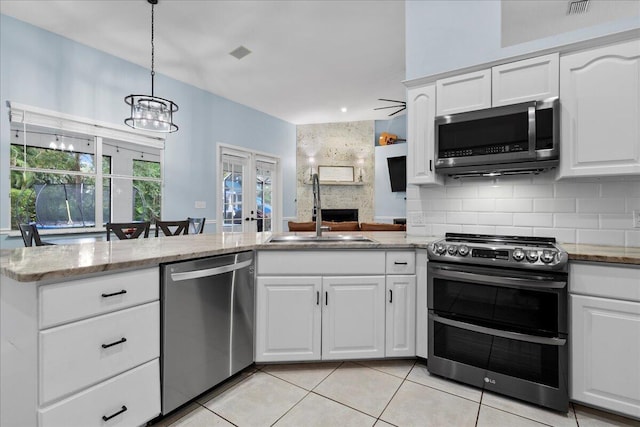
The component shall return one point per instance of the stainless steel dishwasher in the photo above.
(207, 324)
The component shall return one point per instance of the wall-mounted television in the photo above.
(397, 173)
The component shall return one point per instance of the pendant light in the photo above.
(151, 112)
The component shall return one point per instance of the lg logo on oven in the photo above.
(489, 380)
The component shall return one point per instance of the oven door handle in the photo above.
(500, 333)
(530, 282)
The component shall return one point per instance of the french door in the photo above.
(249, 191)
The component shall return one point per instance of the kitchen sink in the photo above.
(319, 239)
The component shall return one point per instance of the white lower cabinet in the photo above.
(401, 316)
(605, 337)
(288, 318)
(319, 318)
(353, 325)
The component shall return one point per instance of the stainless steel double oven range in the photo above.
(498, 315)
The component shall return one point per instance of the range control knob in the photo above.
(532, 256)
(548, 256)
(452, 249)
(518, 254)
(439, 248)
(463, 250)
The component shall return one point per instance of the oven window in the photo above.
(529, 361)
(518, 310)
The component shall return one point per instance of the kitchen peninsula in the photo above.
(51, 368)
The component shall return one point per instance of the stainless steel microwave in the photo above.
(512, 139)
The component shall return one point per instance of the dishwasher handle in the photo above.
(197, 274)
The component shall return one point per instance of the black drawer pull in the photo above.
(317, 297)
(114, 294)
(105, 418)
(114, 343)
(400, 263)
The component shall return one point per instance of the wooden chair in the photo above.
(30, 235)
(196, 225)
(128, 230)
(378, 226)
(172, 228)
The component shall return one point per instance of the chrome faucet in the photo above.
(316, 204)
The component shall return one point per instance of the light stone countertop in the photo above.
(48, 263)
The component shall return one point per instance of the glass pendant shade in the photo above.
(151, 113)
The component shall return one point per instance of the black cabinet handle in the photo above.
(105, 418)
(430, 165)
(317, 297)
(326, 298)
(123, 340)
(122, 292)
(390, 295)
(400, 263)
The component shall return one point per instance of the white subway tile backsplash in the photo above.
(600, 237)
(495, 191)
(562, 235)
(577, 189)
(533, 219)
(575, 220)
(514, 205)
(462, 218)
(620, 189)
(554, 205)
(479, 229)
(495, 218)
(632, 239)
(588, 210)
(514, 231)
(607, 205)
(533, 190)
(480, 205)
(616, 221)
(462, 192)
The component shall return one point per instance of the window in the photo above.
(53, 176)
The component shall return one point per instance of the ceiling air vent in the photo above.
(240, 52)
(578, 6)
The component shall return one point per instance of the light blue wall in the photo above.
(42, 69)
(445, 35)
(387, 204)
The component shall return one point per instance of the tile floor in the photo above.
(366, 393)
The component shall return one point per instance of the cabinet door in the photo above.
(288, 319)
(527, 80)
(353, 317)
(401, 316)
(421, 111)
(600, 111)
(605, 348)
(466, 92)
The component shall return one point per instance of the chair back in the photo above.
(30, 235)
(172, 228)
(128, 230)
(196, 225)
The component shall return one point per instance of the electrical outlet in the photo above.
(636, 218)
(200, 204)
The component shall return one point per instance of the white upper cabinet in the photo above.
(600, 115)
(527, 80)
(421, 112)
(465, 92)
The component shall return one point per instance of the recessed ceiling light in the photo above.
(240, 52)
(343, 109)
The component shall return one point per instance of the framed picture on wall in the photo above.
(336, 173)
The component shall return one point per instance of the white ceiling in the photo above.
(309, 58)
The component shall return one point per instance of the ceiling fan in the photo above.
(400, 105)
